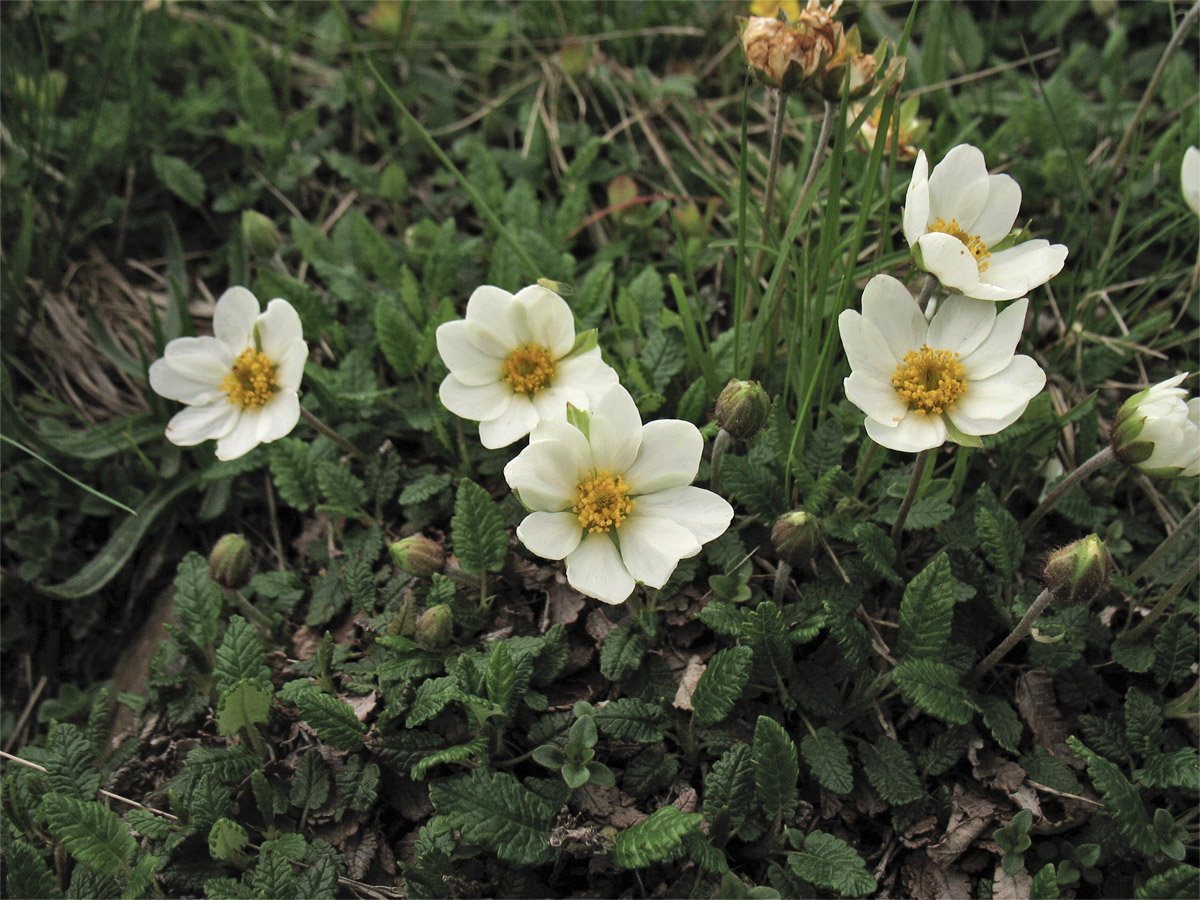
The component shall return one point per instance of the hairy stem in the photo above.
(1102, 458)
(910, 497)
(1019, 633)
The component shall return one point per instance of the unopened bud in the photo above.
(742, 408)
(259, 232)
(435, 628)
(1158, 431)
(796, 537)
(418, 555)
(1079, 572)
(231, 563)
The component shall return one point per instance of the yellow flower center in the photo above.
(603, 501)
(529, 368)
(930, 381)
(972, 242)
(251, 382)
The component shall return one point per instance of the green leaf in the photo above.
(764, 632)
(141, 878)
(27, 875)
(1177, 769)
(292, 473)
(890, 770)
(89, 832)
(1143, 721)
(226, 840)
(829, 760)
(935, 688)
(493, 810)
(1045, 884)
(197, 599)
(622, 652)
(206, 802)
(311, 781)
(999, 534)
(148, 824)
(344, 492)
(928, 512)
(319, 880)
(179, 178)
(630, 719)
(477, 530)
(829, 862)
(721, 685)
(240, 656)
(925, 612)
(723, 617)
(398, 337)
(333, 720)
(425, 487)
(878, 550)
(1179, 883)
(454, 754)
(755, 484)
(1121, 799)
(648, 772)
(1002, 721)
(113, 556)
(359, 784)
(729, 787)
(70, 763)
(655, 839)
(273, 876)
(228, 765)
(776, 769)
(246, 704)
(1174, 651)
(501, 678)
(431, 698)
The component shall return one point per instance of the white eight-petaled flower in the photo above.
(515, 360)
(921, 382)
(614, 497)
(1158, 431)
(240, 385)
(955, 216)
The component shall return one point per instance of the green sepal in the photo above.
(956, 436)
(580, 418)
(584, 341)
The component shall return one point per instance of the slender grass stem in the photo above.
(910, 497)
(1019, 633)
(316, 423)
(773, 165)
(1101, 459)
(1163, 604)
(1168, 542)
(814, 165)
(864, 468)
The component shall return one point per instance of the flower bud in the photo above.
(418, 555)
(796, 537)
(259, 233)
(1079, 572)
(1158, 432)
(435, 627)
(231, 563)
(742, 408)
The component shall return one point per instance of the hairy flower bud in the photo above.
(418, 555)
(742, 408)
(435, 627)
(231, 563)
(796, 537)
(1079, 572)
(1158, 432)
(259, 232)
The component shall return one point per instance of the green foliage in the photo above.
(240, 656)
(493, 810)
(831, 863)
(630, 719)
(776, 769)
(292, 473)
(310, 782)
(654, 839)
(1121, 799)
(70, 763)
(730, 786)
(890, 770)
(721, 684)
(878, 550)
(226, 840)
(245, 705)
(343, 492)
(925, 612)
(1002, 721)
(28, 875)
(333, 720)
(763, 632)
(1178, 883)
(89, 832)
(477, 530)
(1014, 840)
(1177, 769)
(197, 600)
(935, 688)
(622, 652)
(829, 760)
(999, 534)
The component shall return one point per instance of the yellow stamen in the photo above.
(930, 381)
(603, 501)
(529, 368)
(251, 382)
(971, 241)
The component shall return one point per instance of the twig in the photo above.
(25, 713)
(109, 794)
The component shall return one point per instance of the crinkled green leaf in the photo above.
(228, 764)
(197, 599)
(274, 878)
(1001, 719)
(1177, 769)
(890, 770)
(1121, 799)
(1178, 883)
(240, 656)
(500, 677)
(432, 696)
(477, 530)
(630, 719)
(829, 760)
(925, 612)
(493, 810)
(721, 685)
(333, 719)
(89, 832)
(70, 763)
(829, 862)
(310, 781)
(776, 768)
(765, 633)
(244, 705)
(454, 754)
(27, 874)
(1174, 650)
(226, 840)
(878, 550)
(622, 652)
(655, 839)
(344, 492)
(291, 471)
(935, 688)
(729, 787)
(1143, 721)
(999, 534)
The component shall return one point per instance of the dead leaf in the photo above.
(564, 604)
(359, 854)
(1039, 709)
(687, 682)
(1016, 888)
(926, 880)
(608, 806)
(362, 706)
(970, 816)
(598, 625)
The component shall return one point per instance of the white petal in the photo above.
(478, 402)
(998, 347)
(991, 405)
(489, 310)
(279, 417)
(512, 425)
(1017, 270)
(961, 324)
(241, 440)
(595, 569)
(547, 319)
(916, 201)
(289, 368)
(551, 402)
(1189, 178)
(616, 431)
(199, 423)
(494, 338)
(669, 456)
(546, 474)
(958, 185)
(279, 329)
(589, 372)
(194, 379)
(866, 348)
(877, 398)
(651, 548)
(949, 259)
(234, 317)
(551, 535)
(889, 307)
(913, 434)
(701, 512)
(466, 362)
(996, 218)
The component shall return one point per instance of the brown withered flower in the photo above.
(788, 55)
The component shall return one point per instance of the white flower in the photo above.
(1189, 178)
(953, 216)
(920, 381)
(1158, 432)
(515, 360)
(614, 497)
(240, 385)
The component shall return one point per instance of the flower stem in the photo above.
(864, 468)
(814, 166)
(316, 423)
(1102, 458)
(720, 445)
(773, 165)
(927, 288)
(250, 611)
(1163, 604)
(1023, 628)
(914, 488)
(1171, 539)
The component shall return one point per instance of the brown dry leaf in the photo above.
(970, 816)
(564, 604)
(1039, 709)
(995, 771)
(1005, 888)
(359, 853)
(362, 706)
(598, 625)
(687, 682)
(608, 806)
(920, 833)
(926, 880)
(306, 642)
